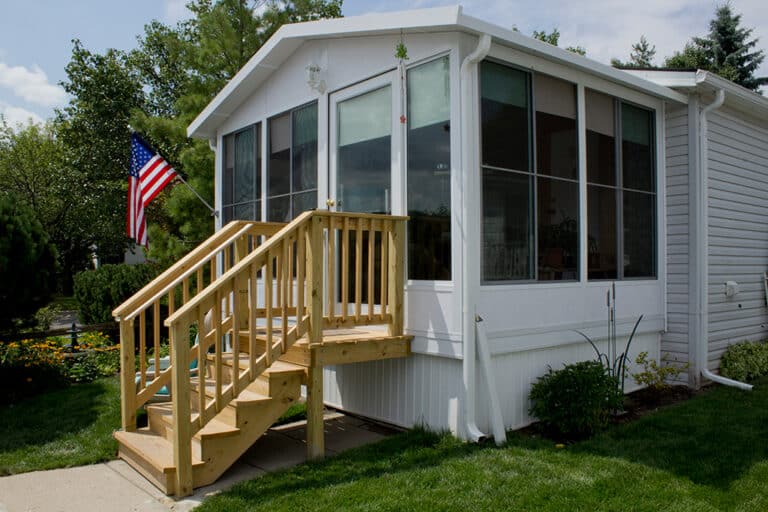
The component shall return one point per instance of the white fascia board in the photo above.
(289, 37)
(673, 79)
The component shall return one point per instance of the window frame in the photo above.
(267, 153)
(257, 199)
(534, 174)
(619, 189)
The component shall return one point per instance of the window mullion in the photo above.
(619, 192)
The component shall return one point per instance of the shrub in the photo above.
(577, 400)
(745, 361)
(654, 375)
(27, 263)
(29, 367)
(100, 291)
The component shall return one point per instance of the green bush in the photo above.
(745, 361)
(577, 400)
(27, 263)
(100, 291)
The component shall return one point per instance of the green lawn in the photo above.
(710, 453)
(69, 427)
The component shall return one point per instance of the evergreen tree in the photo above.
(642, 56)
(553, 38)
(727, 50)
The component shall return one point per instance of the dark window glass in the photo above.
(639, 234)
(601, 232)
(601, 138)
(242, 175)
(558, 229)
(304, 201)
(429, 171)
(279, 209)
(557, 143)
(507, 226)
(636, 148)
(279, 175)
(305, 149)
(506, 119)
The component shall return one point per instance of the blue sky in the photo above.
(35, 35)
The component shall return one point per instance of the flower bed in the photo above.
(29, 367)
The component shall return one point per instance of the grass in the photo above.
(297, 411)
(705, 454)
(69, 427)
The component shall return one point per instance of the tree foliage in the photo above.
(27, 262)
(553, 38)
(728, 50)
(642, 56)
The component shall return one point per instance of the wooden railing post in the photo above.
(315, 433)
(182, 428)
(127, 375)
(396, 277)
(315, 279)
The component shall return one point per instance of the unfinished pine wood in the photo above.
(315, 434)
(316, 286)
(345, 269)
(143, 351)
(127, 373)
(396, 278)
(371, 250)
(182, 451)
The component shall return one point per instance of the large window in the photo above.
(429, 171)
(241, 193)
(621, 189)
(530, 182)
(292, 166)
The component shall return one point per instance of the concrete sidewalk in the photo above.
(115, 486)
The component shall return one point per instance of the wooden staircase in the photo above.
(259, 309)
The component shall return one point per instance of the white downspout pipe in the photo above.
(703, 317)
(470, 263)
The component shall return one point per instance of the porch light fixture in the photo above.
(314, 78)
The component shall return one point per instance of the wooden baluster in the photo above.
(201, 364)
(200, 279)
(143, 351)
(236, 336)
(268, 301)
(396, 277)
(301, 263)
(182, 432)
(217, 320)
(127, 376)
(156, 333)
(185, 291)
(344, 270)
(331, 278)
(285, 303)
(212, 268)
(358, 268)
(371, 249)
(252, 305)
(386, 228)
(291, 267)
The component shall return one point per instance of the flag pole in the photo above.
(214, 212)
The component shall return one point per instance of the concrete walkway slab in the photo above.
(115, 486)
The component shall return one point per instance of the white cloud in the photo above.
(176, 10)
(31, 84)
(15, 116)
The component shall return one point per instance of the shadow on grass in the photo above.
(50, 416)
(712, 439)
(409, 451)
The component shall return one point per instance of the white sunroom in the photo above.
(533, 179)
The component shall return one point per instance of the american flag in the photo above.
(150, 173)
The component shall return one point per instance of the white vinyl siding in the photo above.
(738, 229)
(674, 342)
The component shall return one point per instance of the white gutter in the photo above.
(470, 219)
(701, 282)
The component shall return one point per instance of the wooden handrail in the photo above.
(189, 259)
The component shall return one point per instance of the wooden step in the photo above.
(345, 346)
(151, 455)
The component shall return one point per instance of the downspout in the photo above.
(703, 251)
(471, 222)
